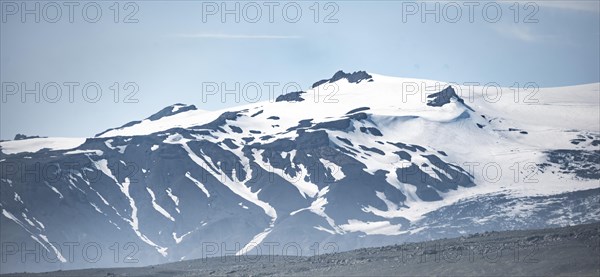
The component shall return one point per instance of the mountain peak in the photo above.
(354, 77)
(171, 110)
(291, 97)
(167, 111)
(444, 97)
(22, 137)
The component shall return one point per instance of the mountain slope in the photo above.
(358, 160)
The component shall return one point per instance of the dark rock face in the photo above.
(22, 136)
(172, 110)
(582, 163)
(355, 77)
(443, 97)
(586, 139)
(403, 155)
(305, 123)
(361, 109)
(372, 149)
(428, 188)
(358, 116)
(257, 113)
(412, 148)
(291, 97)
(217, 124)
(230, 143)
(346, 141)
(235, 129)
(340, 124)
(371, 130)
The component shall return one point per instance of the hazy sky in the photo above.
(169, 49)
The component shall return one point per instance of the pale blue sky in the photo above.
(170, 52)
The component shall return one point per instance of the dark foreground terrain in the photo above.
(568, 251)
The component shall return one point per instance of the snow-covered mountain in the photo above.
(357, 160)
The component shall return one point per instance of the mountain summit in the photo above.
(368, 163)
(354, 77)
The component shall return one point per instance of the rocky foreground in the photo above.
(567, 251)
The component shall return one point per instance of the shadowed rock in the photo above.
(444, 97)
(355, 77)
(290, 97)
